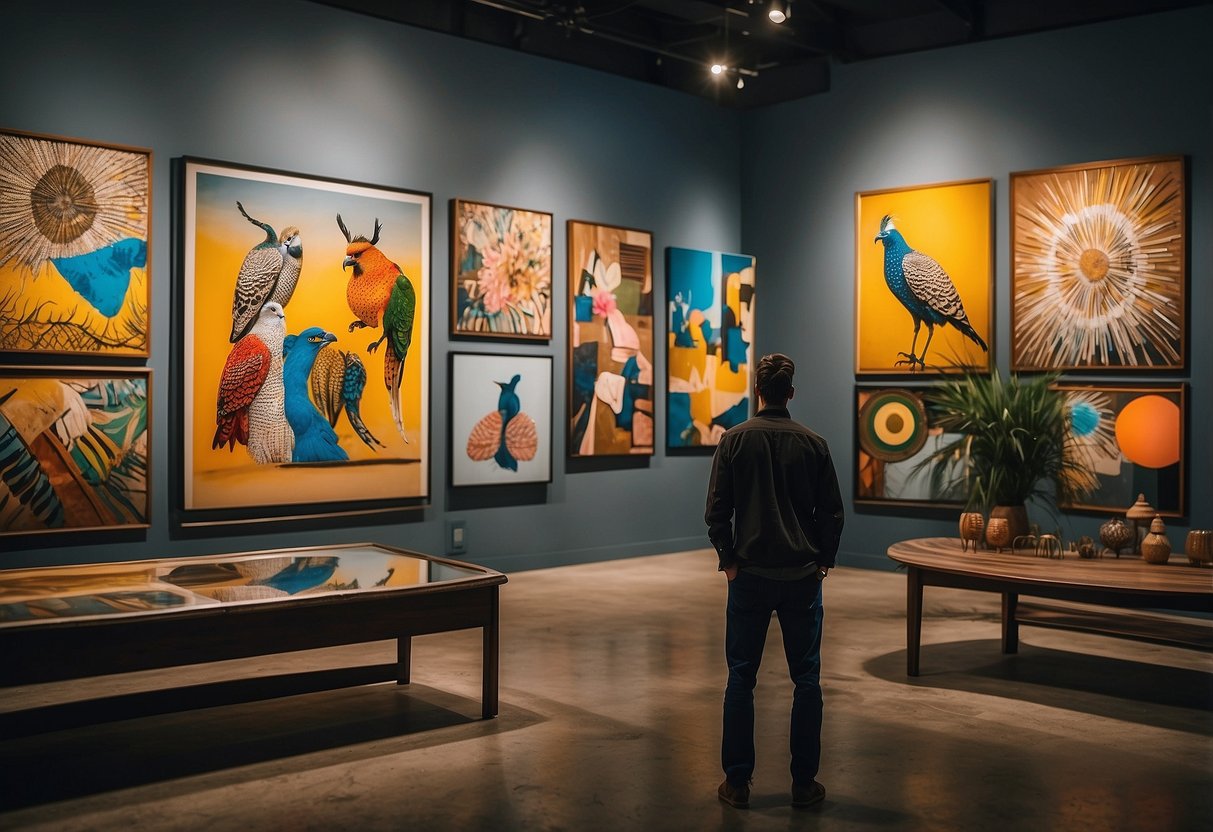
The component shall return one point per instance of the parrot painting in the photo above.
(251, 406)
(923, 288)
(338, 379)
(270, 272)
(507, 434)
(379, 292)
(315, 439)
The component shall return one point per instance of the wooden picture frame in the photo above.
(76, 443)
(501, 272)
(500, 418)
(710, 357)
(1099, 266)
(350, 435)
(611, 391)
(935, 262)
(75, 244)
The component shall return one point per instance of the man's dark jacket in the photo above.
(773, 499)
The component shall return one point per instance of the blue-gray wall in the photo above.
(1137, 87)
(306, 88)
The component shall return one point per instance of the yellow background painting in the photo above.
(950, 223)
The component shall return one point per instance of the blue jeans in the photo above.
(752, 599)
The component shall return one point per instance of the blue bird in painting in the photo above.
(924, 289)
(315, 439)
(507, 434)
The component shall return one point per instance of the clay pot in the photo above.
(1116, 535)
(998, 533)
(972, 527)
(1016, 517)
(1155, 548)
(1199, 547)
(1140, 514)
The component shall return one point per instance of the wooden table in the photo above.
(74, 621)
(1120, 582)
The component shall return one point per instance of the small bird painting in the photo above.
(315, 439)
(924, 289)
(506, 435)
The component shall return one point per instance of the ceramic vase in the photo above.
(1199, 547)
(998, 533)
(1115, 535)
(1155, 548)
(972, 526)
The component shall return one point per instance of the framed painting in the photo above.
(611, 394)
(895, 431)
(303, 345)
(501, 419)
(74, 445)
(501, 272)
(75, 220)
(924, 279)
(1099, 266)
(710, 335)
(1131, 439)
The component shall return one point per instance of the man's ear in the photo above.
(791, 393)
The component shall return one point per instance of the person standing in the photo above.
(775, 517)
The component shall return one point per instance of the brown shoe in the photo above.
(736, 795)
(808, 794)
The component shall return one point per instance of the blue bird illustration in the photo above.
(315, 439)
(924, 289)
(506, 435)
(338, 380)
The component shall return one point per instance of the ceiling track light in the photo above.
(779, 10)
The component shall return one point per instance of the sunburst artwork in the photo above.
(1098, 266)
(73, 246)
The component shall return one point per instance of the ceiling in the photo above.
(673, 43)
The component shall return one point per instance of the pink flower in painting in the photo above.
(604, 303)
(494, 281)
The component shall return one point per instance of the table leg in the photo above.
(1010, 626)
(913, 619)
(404, 659)
(491, 659)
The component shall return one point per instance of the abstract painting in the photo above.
(501, 271)
(924, 285)
(1131, 440)
(1098, 268)
(304, 354)
(501, 419)
(611, 394)
(73, 449)
(894, 433)
(74, 222)
(710, 366)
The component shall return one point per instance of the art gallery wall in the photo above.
(1129, 88)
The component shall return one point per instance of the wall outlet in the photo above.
(456, 537)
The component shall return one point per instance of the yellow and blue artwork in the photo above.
(710, 368)
(305, 344)
(73, 246)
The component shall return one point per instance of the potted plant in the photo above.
(1014, 445)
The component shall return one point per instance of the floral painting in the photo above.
(710, 366)
(73, 449)
(610, 408)
(73, 246)
(305, 360)
(1098, 270)
(501, 271)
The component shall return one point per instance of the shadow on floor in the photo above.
(60, 765)
(1096, 685)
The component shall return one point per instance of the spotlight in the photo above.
(740, 83)
(718, 68)
(779, 11)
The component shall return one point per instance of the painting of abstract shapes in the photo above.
(710, 365)
(894, 433)
(1098, 268)
(73, 449)
(304, 309)
(501, 419)
(74, 222)
(924, 285)
(611, 340)
(501, 271)
(1131, 440)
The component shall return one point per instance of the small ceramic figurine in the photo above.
(1115, 535)
(1155, 548)
(972, 526)
(1086, 547)
(1199, 547)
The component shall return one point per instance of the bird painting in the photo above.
(378, 293)
(270, 272)
(506, 435)
(338, 379)
(315, 439)
(250, 409)
(924, 289)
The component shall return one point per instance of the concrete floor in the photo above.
(612, 678)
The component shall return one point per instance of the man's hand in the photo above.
(730, 572)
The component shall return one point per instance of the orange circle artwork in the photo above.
(1147, 431)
